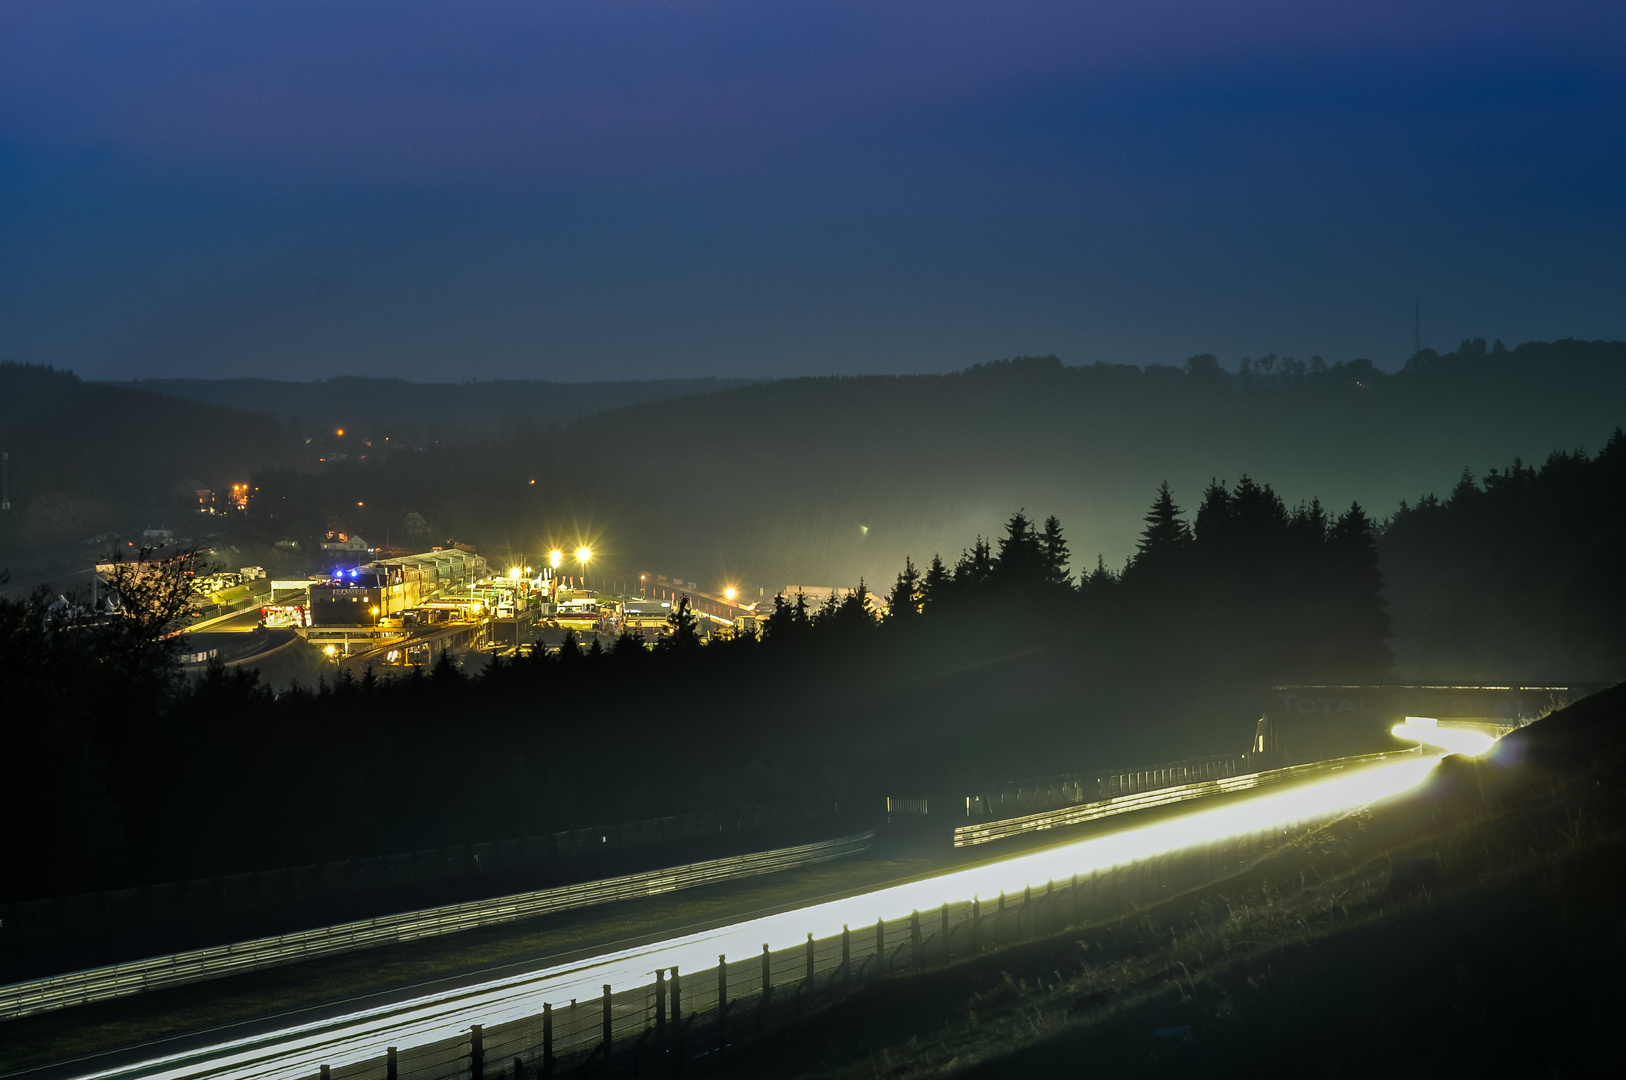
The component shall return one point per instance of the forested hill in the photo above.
(820, 480)
(86, 457)
(428, 412)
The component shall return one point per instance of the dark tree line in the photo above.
(1003, 661)
(1521, 574)
(142, 775)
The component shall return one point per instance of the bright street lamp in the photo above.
(583, 555)
(731, 592)
(556, 558)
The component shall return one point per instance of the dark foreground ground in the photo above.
(1478, 928)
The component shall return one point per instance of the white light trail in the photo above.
(1453, 740)
(297, 1051)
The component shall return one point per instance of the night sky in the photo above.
(603, 189)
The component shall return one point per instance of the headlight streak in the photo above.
(298, 1051)
(1451, 740)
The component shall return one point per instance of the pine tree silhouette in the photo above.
(904, 602)
(1166, 537)
(1056, 555)
(1021, 556)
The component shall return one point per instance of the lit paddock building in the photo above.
(381, 591)
(374, 611)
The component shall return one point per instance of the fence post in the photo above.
(722, 1002)
(660, 1007)
(325, 1072)
(608, 1017)
(519, 1069)
(547, 1039)
(810, 961)
(880, 946)
(767, 988)
(846, 952)
(390, 1071)
(477, 1051)
(945, 932)
(917, 943)
(976, 921)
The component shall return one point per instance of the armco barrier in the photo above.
(51, 936)
(686, 1020)
(139, 976)
(970, 835)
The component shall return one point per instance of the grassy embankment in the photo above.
(1476, 927)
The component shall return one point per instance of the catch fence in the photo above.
(1017, 797)
(1160, 790)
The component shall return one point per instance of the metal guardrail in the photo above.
(971, 835)
(198, 965)
(692, 1017)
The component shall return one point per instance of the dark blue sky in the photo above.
(615, 190)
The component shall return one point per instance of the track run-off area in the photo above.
(299, 1050)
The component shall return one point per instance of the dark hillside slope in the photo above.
(822, 480)
(787, 473)
(88, 457)
(428, 412)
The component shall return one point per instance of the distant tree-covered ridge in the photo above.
(813, 479)
(85, 458)
(823, 479)
(425, 413)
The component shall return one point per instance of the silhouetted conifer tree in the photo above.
(1056, 555)
(904, 602)
(628, 645)
(1021, 555)
(444, 676)
(934, 587)
(975, 567)
(854, 614)
(683, 634)
(1166, 537)
(1360, 615)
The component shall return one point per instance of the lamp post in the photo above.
(584, 555)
